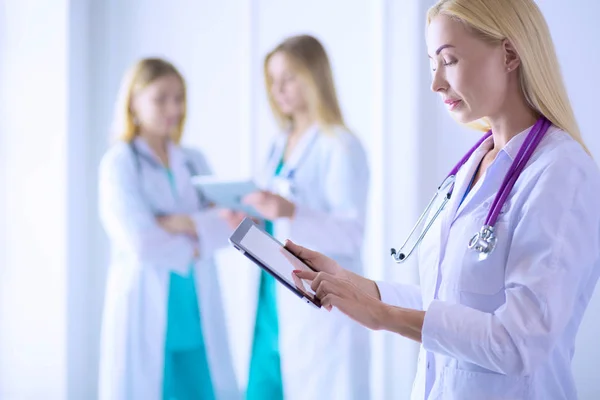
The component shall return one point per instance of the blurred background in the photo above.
(61, 62)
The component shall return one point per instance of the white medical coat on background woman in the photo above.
(323, 355)
(132, 191)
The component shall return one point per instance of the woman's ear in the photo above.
(511, 57)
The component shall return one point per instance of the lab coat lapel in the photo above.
(264, 179)
(276, 154)
(301, 151)
(145, 152)
(179, 169)
(463, 179)
(177, 166)
(498, 170)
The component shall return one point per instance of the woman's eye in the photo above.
(450, 62)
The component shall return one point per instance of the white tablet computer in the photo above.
(226, 193)
(269, 254)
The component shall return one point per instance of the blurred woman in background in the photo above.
(315, 184)
(163, 333)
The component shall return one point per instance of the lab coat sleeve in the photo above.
(129, 220)
(400, 295)
(340, 229)
(212, 231)
(554, 249)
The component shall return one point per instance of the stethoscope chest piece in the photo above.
(484, 241)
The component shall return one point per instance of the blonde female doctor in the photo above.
(163, 333)
(497, 312)
(316, 182)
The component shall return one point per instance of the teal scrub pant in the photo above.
(265, 381)
(186, 369)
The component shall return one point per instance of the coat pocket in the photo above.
(482, 279)
(459, 384)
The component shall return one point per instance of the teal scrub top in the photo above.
(186, 369)
(265, 380)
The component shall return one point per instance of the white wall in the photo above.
(33, 276)
(45, 275)
(65, 61)
(3, 168)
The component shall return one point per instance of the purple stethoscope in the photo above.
(485, 240)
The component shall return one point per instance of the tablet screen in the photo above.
(277, 258)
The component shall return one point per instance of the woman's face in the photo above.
(160, 106)
(287, 88)
(470, 74)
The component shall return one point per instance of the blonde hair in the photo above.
(310, 62)
(139, 76)
(522, 23)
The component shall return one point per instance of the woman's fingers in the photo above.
(320, 277)
(254, 198)
(307, 275)
(315, 277)
(295, 249)
(295, 261)
(327, 287)
(231, 217)
(330, 301)
(225, 213)
(309, 256)
(322, 282)
(166, 223)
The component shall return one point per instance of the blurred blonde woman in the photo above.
(315, 184)
(509, 266)
(163, 333)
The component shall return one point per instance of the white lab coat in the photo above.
(504, 328)
(323, 355)
(142, 258)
